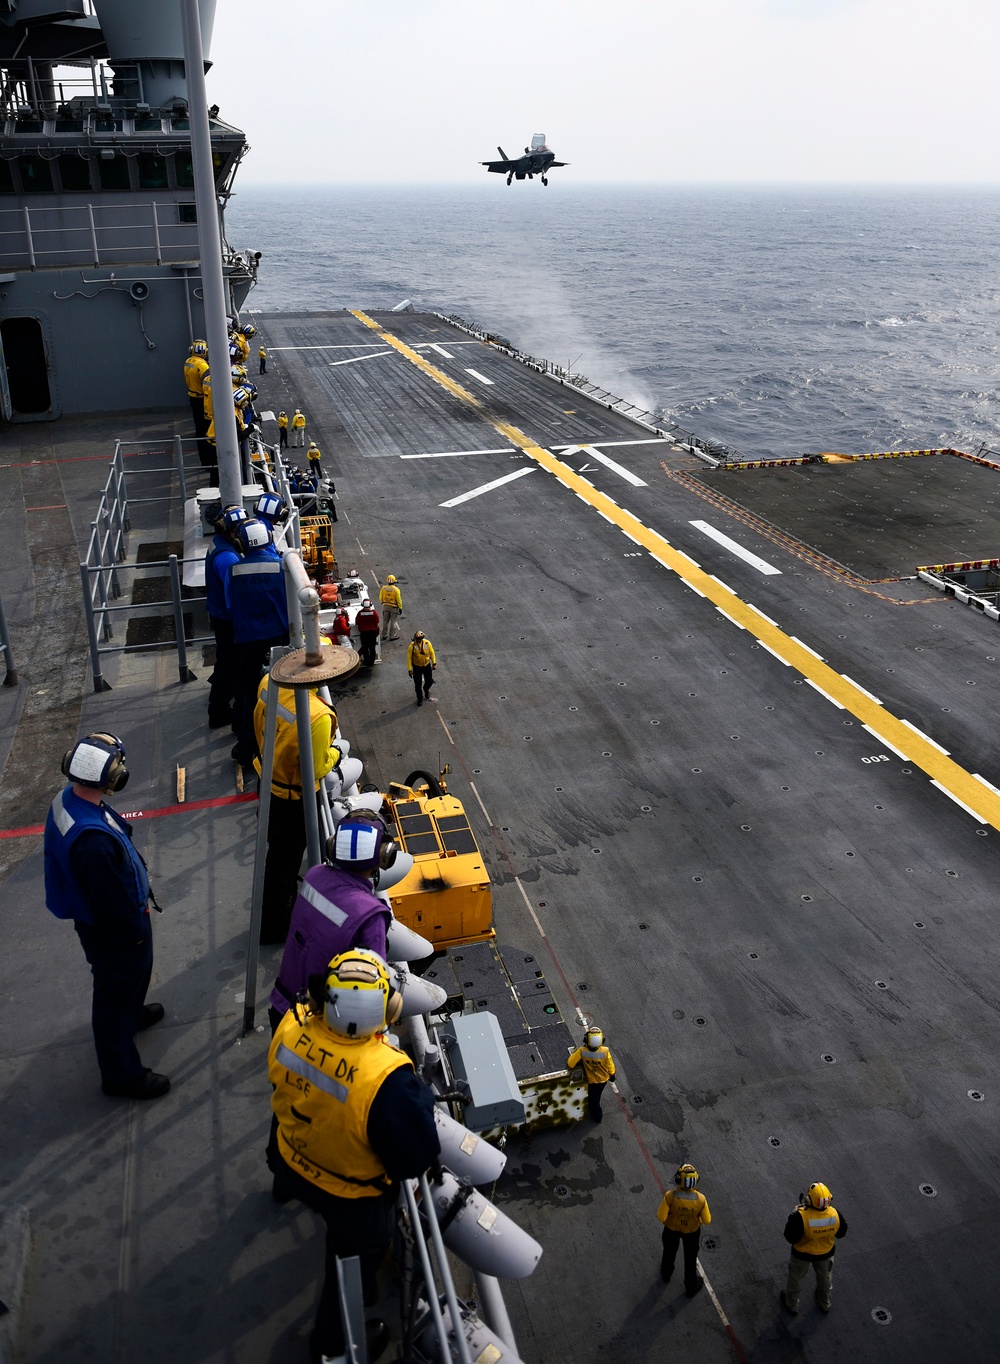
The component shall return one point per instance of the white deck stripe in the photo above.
(600, 444)
(960, 803)
(754, 560)
(816, 687)
(919, 732)
(441, 351)
(773, 653)
(860, 688)
(481, 377)
(354, 345)
(486, 487)
(355, 359)
(453, 454)
(807, 648)
(615, 468)
(884, 741)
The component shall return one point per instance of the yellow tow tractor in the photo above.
(447, 897)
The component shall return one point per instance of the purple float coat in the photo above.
(334, 910)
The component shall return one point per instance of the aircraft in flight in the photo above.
(537, 159)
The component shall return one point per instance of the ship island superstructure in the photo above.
(100, 287)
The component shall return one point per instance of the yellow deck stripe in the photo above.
(971, 794)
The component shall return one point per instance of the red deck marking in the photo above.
(53, 506)
(76, 459)
(33, 830)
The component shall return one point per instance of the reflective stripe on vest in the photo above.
(819, 1231)
(318, 901)
(315, 1077)
(64, 820)
(274, 566)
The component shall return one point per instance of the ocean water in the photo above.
(776, 320)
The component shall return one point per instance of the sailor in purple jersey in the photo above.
(336, 908)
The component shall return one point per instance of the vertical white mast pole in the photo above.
(210, 246)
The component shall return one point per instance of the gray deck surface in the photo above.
(720, 876)
(881, 518)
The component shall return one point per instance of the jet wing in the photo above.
(554, 163)
(501, 167)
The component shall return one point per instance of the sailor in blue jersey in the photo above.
(221, 556)
(94, 876)
(255, 596)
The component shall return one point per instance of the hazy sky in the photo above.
(707, 90)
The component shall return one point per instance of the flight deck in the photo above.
(739, 803)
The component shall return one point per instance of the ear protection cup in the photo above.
(394, 1008)
(97, 761)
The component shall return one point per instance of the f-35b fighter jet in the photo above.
(537, 159)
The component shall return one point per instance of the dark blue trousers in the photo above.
(354, 1226)
(121, 966)
(222, 683)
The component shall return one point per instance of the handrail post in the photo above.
(260, 849)
(184, 672)
(352, 1309)
(181, 477)
(441, 1255)
(121, 491)
(307, 775)
(10, 674)
(102, 583)
(88, 611)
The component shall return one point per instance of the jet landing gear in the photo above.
(509, 179)
(545, 182)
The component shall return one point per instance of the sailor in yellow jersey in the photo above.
(298, 428)
(286, 827)
(195, 369)
(683, 1211)
(242, 343)
(421, 664)
(282, 430)
(598, 1066)
(391, 601)
(353, 1119)
(315, 457)
(195, 375)
(262, 356)
(812, 1230)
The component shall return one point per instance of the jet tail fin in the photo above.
(503, 154)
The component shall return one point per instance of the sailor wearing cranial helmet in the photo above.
(96, 877)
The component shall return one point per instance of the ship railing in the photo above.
(102, 234)
(36, 90)
(713, 452)
(108, 563)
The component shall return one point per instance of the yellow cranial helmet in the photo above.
(359, 999)
(686, 1176)
(819, 1196)
(391, 579)
(593, 1038)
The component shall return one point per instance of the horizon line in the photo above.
(628, 184)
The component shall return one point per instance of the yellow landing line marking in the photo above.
(972, 793)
